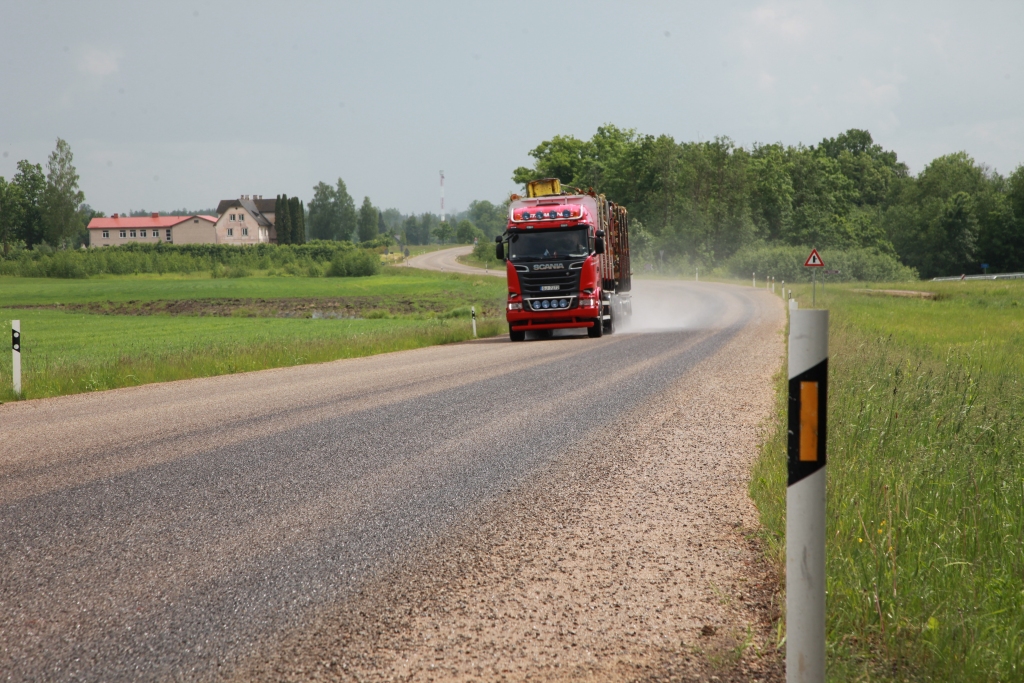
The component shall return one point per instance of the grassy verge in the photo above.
(84, 345)
(926, 483)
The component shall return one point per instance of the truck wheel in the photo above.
(597, 330)
(609, 324)
(516, 336)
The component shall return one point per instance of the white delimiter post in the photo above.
(805, 497)
(472, 310)
(16, 350)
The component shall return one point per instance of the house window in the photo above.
(142, 233)
(106, 234)
(195, 220)
(124, 233)
(245, 232)
(241, 217)
(231, 232)
(168, 234)
(132, 233)
(232, 217)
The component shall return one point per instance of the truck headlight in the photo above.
(518, 306)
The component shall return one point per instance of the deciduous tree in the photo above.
(62, 197)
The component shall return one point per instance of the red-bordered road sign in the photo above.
(814, 260)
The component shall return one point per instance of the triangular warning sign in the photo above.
(814, 260)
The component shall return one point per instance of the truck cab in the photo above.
(557, 257)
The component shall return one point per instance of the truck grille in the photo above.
(532, 282)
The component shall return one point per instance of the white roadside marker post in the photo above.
(16, 351)
(805, 496)
(472, 310)
(753, 279)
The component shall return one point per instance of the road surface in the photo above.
(350, 520)
(445, 260)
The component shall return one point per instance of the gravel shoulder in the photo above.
(630, 558)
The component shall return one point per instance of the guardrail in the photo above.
(1001, 276)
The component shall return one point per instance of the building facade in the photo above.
(118, 230)
(246, 220)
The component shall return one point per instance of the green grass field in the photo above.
(925, 483)
(71, 351)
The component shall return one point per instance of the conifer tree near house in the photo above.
(295, 211)
(277, 218)
(284, 222)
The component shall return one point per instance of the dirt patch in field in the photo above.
(344, 307)
(908, 293)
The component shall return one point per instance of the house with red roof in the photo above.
(246, 220)
(117, 230)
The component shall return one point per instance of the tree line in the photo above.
(37, 207)
(333, 216)
(707, 201)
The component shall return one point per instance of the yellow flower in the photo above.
(860, 540)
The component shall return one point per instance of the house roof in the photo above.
(116, 222)
(262, 205)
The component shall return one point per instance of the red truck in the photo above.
(567, 262)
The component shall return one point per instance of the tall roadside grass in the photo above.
(925, 492)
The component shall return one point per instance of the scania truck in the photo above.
(566, 260)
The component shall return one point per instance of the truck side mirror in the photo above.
(600, 233)
(498, 239)
(499, 250)
(599, 245)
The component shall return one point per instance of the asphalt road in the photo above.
(445, 260)
(170, 531)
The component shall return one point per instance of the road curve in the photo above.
(184, 530)
(445, 260)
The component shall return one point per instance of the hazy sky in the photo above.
(181, 104)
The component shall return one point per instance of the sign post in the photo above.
(472, 310)
(16, 350)
(814, 261)
(805, 496)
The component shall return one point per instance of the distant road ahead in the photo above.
(444, 260)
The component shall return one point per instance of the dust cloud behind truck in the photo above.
(567, 262)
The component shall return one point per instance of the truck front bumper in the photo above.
(527, 325)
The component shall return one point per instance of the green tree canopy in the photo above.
(283, 220)
(297, 221)
(444, 232)
(32, 183)
(12, 202)
(368, 216)
(61, 196)
(466, 232)
(332, 213)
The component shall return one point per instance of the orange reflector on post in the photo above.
(809, 421)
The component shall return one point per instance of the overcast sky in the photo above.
(181, 104)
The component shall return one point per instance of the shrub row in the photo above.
(787, 263)
(310, 259)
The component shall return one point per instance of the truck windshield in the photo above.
(548, 244)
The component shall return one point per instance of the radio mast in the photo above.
(442, 197)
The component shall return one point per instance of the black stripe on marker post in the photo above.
(807, 422)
